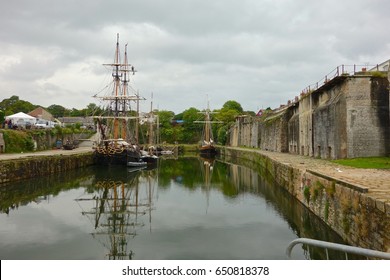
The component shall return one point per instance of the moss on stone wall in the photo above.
(356, 217)
(25, 168)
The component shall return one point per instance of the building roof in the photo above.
(41, 113)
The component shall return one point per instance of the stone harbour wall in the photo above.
(346, 208)
(347, 117)
(31, 167)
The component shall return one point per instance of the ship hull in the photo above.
(119, 157)
(208, 150)
(150, 159)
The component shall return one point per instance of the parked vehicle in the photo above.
(44, 124)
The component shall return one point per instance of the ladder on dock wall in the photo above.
(337, 247)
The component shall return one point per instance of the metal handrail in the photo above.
(338, 247)
(339, 71)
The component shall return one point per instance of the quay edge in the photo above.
(23, 168)
(347, 208)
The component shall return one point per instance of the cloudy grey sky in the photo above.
(260, 53)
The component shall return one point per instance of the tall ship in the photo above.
(117, 123)
(149, 152)
(207, 146)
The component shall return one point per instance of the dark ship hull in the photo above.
(208, 151)
(104, 156)
(150, 159)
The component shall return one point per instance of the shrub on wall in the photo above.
(17, 141)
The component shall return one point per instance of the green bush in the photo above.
(17, 141)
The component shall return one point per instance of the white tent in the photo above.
(21, 117)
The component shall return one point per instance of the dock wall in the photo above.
(31, 167)
(346, 117)
(347, 209)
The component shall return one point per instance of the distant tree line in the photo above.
(14, 105)
(170, 130)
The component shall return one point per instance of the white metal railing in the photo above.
(337, 247)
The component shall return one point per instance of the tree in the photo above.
(189, 116)
(191, 130)
(227, 115)
(8, 103)
(165, 118)
(2, 116)
(166, 130)
(222, 131)
(178, 116)
(57, 110)
(14, 105)
(233, 105)
(249, 113)
(75, 113)
(93, 110)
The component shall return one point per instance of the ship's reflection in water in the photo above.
(117, 207)
(184, 208)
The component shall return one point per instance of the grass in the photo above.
(370, 162)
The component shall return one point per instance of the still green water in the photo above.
(186, 208)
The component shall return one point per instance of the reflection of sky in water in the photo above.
(50, 229)
(185, 224)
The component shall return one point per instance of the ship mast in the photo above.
(120, 98)
(116, 143)
(151, 121)
(125, 82)
(116, 75)
(136, 123)
(207, 132)
(207, 124)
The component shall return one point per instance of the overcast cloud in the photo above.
(260, 53)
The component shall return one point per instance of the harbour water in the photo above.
(184, 208)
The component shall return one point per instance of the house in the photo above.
(41, 114)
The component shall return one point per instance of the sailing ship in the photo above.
(149, 153)
(116, 126)
(207, 147)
